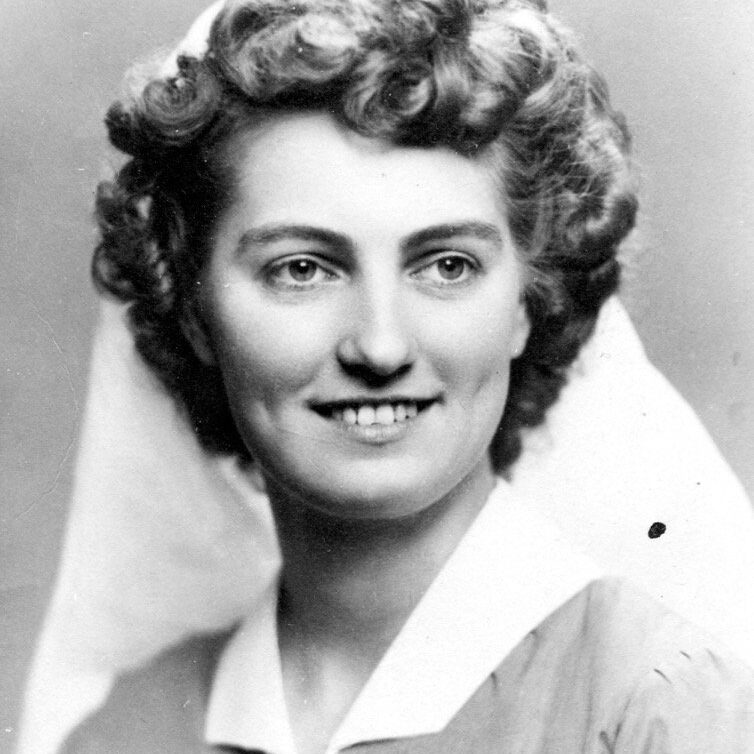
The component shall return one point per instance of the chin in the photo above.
(378, 500)
(380, 491)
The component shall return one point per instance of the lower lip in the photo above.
(378, 434)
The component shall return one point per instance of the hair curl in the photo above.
(496, 78)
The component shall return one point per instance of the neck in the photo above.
(349, 585)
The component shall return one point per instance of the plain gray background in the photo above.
(684, 78)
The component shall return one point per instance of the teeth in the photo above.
(366, 416)
(384, 414)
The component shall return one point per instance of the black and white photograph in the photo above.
(378, 376)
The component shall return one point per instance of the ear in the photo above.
(195, 332)
(520, 331)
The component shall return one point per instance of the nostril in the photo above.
(371, 377)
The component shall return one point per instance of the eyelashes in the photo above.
(447, 268)
(300, 272)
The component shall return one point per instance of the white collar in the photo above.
(509, 572)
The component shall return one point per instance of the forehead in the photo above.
(305, 167)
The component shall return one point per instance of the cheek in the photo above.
(471, 347)
(267, 352)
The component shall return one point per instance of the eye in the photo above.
(300, 272)
(447, 269)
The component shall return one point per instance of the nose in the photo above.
(377, 342)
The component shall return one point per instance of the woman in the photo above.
(362, 243)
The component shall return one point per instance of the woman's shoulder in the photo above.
(655, 677)
(623, 629)
(159, 706)
(618, 617)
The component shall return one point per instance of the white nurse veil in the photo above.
(164, 541)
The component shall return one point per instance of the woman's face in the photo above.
(363, 303)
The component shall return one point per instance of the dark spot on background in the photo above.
(657, 530)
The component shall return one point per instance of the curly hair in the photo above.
(498, 79)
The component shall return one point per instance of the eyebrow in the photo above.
(473, 228)
(267, 234)
(271, 233)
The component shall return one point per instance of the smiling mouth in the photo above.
(367, 414)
